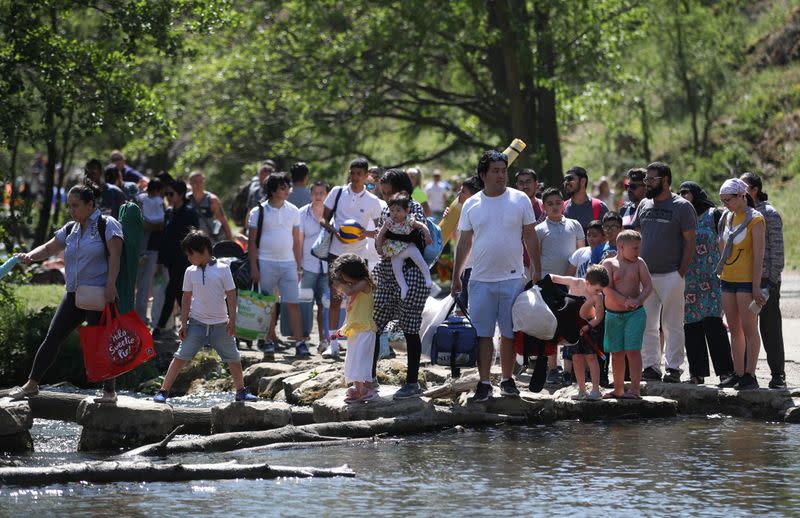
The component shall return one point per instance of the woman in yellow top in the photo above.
(350, 275)
(742, 245)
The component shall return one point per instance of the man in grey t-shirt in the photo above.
(667, 223)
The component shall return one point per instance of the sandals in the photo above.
(18, 393)
(108, 398)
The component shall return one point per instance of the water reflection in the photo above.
(686, 466)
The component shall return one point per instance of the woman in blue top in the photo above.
(85, 264)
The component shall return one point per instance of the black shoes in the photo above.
(746, 382)
(651, 374)
(508, 388)
(482, 393)
(672, 376)
(729, 382)
(778, 381)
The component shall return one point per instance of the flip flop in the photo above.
(630, 395)
(611, 395)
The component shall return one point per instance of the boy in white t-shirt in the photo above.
(208, 315)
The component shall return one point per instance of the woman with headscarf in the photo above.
(705, 333)
(770, 320)
(741, 239)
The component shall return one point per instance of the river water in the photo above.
(689, 466)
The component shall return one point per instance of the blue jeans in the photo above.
(318, 282)
(144, 279)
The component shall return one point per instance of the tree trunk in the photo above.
(106, 472)
(410, 424)
(644, 119)
(547, 123)
(43, 226)
(689, 87)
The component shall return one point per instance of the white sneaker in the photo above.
(332, 351)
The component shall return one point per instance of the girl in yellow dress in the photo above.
(350, 276)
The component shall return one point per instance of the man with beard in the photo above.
(635, 188)
(667, 223)
(581, 206)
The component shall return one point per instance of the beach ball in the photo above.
(350, 231)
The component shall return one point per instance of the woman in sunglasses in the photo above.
(741, 240)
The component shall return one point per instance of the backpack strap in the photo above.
(596, 208)
(260, 224)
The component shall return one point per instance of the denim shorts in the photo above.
(317, 282)
(198, 335)
(280, 277)
(736, 287)
(490, 303)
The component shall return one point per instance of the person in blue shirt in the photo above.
(85, 264)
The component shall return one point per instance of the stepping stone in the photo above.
(240, 416)
(333, 408)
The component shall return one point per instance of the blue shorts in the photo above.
(624, 330)
(280, 278)
(199, 335)
(490, 303)
(736, 287)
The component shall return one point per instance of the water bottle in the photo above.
(754, 306)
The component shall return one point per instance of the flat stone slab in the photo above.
(647, 407)
(128, 423)
(302, 415)
(706, 399)
(240, 416)
(254, 373)
(333, 408)
(792, 415)
(310, 386)
(15, 417)
(536, 408)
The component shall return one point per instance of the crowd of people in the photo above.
(657, 269)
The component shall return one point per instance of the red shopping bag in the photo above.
(116, 345)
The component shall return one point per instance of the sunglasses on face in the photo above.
(653, 179)
(568, 179)
(728, 199)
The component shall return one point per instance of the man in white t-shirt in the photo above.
(276, 258)
(493, 225)
(437, 191)
(356, 203)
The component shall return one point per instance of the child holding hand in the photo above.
(592, 312)
(350, 275)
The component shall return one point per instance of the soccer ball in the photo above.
(350, 231)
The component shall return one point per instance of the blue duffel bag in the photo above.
(455, 343)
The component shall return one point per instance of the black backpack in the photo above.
(101, 229)
(240, 268)
(239, 203)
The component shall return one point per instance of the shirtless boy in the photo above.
(629, 285)
(592, 311)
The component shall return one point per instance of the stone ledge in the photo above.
(15, 417)
(765, 404)
(241, 417)
(333, 408)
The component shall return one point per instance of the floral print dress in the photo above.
(702, 291)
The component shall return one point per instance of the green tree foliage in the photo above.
(326, 80)
(70, 69)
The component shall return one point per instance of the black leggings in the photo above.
(66, 320)
(172, 293)
(414, 347)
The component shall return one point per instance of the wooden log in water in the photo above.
(454, 387)
(106, 472)
(405, 425)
